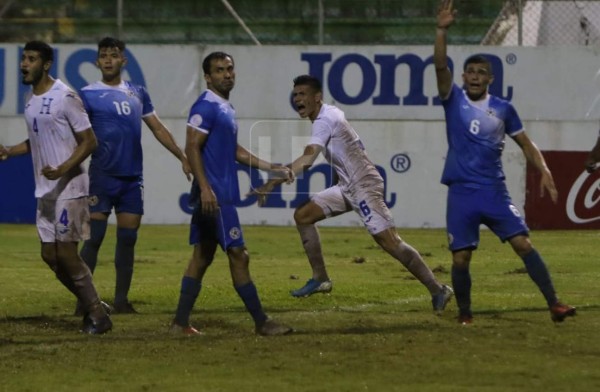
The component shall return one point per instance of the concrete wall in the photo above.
(387, 92)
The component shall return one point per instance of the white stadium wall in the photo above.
(386, 92)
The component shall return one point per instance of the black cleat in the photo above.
(559, 312)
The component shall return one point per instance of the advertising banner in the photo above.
(578, 204)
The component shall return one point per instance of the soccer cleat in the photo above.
(560, 311)
(177, 329)
(441, 299)
(312, 287)
(465, 318)
(272, 328)
(96, 327)
(124, 308)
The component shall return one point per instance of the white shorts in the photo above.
(63, 220)
(366, 200)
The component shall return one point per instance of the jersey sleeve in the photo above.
(147, 106)
(75, 113)
(202, 116)
(512, 122)
(321, 132)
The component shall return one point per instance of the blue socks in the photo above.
(90, 248)
(124, 253)
(190, 289)
(249, 296)
(461, 283)
(539, 274)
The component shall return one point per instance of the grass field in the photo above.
(375, 332)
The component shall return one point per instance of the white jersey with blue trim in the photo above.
(116, 114)
(476, 131)
(342, 147)
(52, 118)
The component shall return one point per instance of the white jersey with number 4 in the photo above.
(343, 148)
(52, 118)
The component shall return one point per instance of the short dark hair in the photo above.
(308, 80)
(479, 59)
(45, 51)
(214, 56)
(110, 42)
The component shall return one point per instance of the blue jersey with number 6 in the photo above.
(476, 133)
(116, 114)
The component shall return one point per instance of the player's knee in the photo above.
(238, 257)
(461, 259)
(521, 245)
(389, 240)
(302, 216)
(49, 257)
(126, 237)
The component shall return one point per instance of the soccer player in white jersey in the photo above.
(476, 124)
(116, 108)
(359, 188)
(60, 138)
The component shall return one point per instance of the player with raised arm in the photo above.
(213, 152)
(476, 125)
(117, 108)
(60, 139)
(359, 188)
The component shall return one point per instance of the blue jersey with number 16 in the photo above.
(116, 115)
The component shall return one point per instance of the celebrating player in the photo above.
(476, 123)
(360, 188)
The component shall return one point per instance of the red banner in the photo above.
(578, 205)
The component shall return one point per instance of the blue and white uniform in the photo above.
(215, 116)
(52, 118)
(473, 170)
(116, 167)
(360, 186)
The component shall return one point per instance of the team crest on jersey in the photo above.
(235, 233)
(93, 200)
(450, 238)
(514, 210)
(196, 120)
(490, 113)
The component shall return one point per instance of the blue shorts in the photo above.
(124, 194)
(222, 227)
(467, 208)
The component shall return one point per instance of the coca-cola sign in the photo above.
(578, 205)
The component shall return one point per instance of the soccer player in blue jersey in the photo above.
(476, 124)
(116, 109)
(213, 150)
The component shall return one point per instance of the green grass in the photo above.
(375, 332)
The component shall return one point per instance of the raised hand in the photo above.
(446, 14)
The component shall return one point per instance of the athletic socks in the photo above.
(124, 254)
(190, 289)
(539, 274)
(413, 262)
(461, 283)
(311, 241)
(90, 248)
(249, 296)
